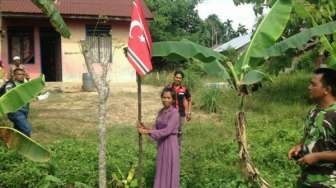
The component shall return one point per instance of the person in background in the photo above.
(183, 101)
(20, 117)
(165, 134)
(17, 64)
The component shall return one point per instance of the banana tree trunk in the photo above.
(247, 166)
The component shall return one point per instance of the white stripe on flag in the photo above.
(137, 61)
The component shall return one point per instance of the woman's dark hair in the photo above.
(328, 78)
(179, 72)
(171, 90)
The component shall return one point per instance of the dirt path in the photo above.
(70, 112)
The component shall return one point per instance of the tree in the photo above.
(97, 51)
(241, 30)
(174, 20)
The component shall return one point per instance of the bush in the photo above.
(211, 100)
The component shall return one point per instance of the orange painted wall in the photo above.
(73, 61)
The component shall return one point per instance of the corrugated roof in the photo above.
(235, 43)
(114, 8)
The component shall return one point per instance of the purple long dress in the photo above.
(168, 157)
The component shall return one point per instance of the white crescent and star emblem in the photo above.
(134, 24)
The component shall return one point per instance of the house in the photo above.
(26, 32)
(238, 43)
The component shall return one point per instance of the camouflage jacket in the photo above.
(320, 135)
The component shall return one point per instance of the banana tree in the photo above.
(243, 74)
(11, 101)
(299, 40)
(48, 8)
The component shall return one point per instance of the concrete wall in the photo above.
(73, 64)
(72, 60)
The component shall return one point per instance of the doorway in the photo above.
(51, 62)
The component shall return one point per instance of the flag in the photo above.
(139, 42)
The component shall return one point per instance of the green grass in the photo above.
(209, 159)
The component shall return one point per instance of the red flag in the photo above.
(139, 42)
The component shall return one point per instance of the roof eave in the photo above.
(69, 16)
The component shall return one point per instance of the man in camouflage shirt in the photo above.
(317, 151)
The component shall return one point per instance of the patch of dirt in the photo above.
(71, 112)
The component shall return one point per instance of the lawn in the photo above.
(66, 124)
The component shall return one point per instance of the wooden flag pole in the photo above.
(140, 141)
(140, 162)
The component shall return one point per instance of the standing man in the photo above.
(317, 151)
(19, 118)
(182, 102)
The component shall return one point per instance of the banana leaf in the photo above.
(216, 69)
(299, 40)
(15, 98)
(184, 50)
(301, 10)
(269, 30)
(255, 76)
(24, 145)
(48, 8)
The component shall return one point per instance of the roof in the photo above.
(113, 8)
(235, 43)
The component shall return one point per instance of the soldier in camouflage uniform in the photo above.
(317, 151)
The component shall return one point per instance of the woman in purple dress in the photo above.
(165, 133)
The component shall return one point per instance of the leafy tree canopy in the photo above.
(176, 20)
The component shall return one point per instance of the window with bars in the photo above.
(100, 41)
(21, 43)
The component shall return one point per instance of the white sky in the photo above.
(225, 9)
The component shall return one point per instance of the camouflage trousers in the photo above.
(317, 181)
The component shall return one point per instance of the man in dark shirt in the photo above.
(183, 100)
(317, 151)
(19, 118)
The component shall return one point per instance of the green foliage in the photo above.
(176, 20)
(232, 54)
(11, 101)
(15, 98)
(307, 61)
(173, 20)
(24, 145)
(48, 8)
(275, 65)
(211, 100)
(299, 40)
(184, 50)
(191, 79)
(269, 30)
(209, 153)
(120, 180)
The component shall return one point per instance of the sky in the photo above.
(225, 9)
